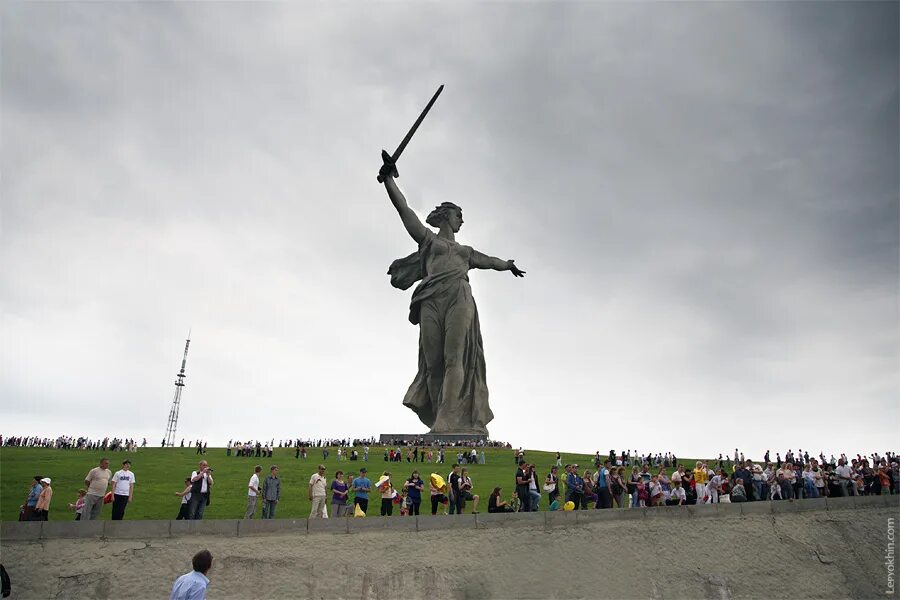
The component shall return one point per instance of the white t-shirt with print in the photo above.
(254, 483)
(122, 481)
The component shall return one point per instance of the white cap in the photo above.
(45, 480)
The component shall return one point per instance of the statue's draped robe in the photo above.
(441, 291)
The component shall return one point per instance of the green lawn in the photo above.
(161, 472)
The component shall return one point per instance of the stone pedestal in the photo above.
(430, 438)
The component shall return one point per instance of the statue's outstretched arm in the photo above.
(412, 223)
(479, 260)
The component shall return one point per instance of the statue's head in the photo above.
(448, 213)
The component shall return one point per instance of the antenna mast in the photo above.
(176, 401)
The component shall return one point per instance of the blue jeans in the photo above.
(811, 491)
(535, 500)
(196, 505)
(758, 490)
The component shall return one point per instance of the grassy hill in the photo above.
(161, 472)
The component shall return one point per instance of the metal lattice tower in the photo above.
(176, 401)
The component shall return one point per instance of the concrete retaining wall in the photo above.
(806, 549)
(14, 531)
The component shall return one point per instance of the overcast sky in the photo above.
(704, 196)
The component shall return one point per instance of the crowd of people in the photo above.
(798, 476)
(66, 442)
(619, 480)
(101, 486)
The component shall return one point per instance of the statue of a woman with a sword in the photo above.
(449, 393)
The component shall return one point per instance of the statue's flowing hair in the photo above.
(441, 213)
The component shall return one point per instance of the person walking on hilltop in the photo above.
(97, 482)
(201, 486)
(252, 492)
(123, 490)
(271, 493)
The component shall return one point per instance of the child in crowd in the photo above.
(656, 493)
(515, 503)
(185, 498)
(643, 494)
(78, 505)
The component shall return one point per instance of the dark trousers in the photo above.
(414, 508)
(458, 502)
(183, 513)
(118, 507)
(197, 505)
(604, 499)
(435, 500)
(525, 498)
(576, 499)
(387, 507)
(362, 503)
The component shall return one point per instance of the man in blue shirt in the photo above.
(192, 586)
(361, 488)
(604, 498)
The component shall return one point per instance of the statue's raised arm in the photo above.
(412, 223)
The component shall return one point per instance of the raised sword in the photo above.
(390, 162)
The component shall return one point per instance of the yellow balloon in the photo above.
(569, 505)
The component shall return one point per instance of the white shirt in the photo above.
(318, 485)
(203, 484)
(679, 493)
(123, 480)
(842, 471)
(714, 482)
(254, 483)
